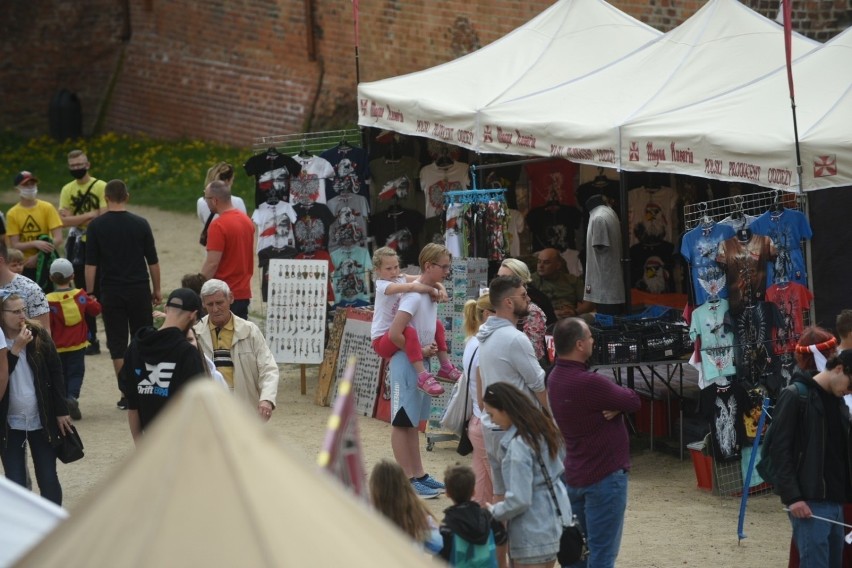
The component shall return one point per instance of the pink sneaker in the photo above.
(449, 374)
(427, 383)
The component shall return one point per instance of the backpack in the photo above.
(468, 555)
(764, 467)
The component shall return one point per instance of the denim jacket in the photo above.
(534, 528)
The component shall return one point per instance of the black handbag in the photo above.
(70, 447)
(465, 446)
(572, 544)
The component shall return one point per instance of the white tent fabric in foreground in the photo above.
(25, 518)
(722, 46)
(747, 134)
(570, 39)
(208, 487)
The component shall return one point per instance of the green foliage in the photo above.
(164, 174)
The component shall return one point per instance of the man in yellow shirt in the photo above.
(33, 227)
(80, 201)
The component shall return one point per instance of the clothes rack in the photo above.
(313, 142)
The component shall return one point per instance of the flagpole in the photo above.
(788, 51)
(355, 18)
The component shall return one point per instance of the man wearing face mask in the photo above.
(80, 201)
(34, 227)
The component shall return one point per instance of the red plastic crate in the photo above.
(703, 466)
(665, 411)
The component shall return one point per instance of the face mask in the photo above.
(78, 174)
(29, 192)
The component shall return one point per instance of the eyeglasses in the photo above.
(18, 312)
(523, 296)
(443, 266)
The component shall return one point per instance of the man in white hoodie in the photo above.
(507, 355)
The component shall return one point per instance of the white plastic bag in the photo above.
(459, 408)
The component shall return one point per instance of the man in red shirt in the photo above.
(589, 410)
(230, 246)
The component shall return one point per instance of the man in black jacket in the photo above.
(811, 458)
(160, 362)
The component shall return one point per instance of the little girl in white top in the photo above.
(390, 286)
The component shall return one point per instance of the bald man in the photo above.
(564, 290)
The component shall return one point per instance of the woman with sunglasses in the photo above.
(531, 462)
(33, 411)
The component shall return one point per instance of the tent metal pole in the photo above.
(625, 238)
(496, 165)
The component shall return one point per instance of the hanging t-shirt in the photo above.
(745, 268)
(711, 322)
(651, 267)
(274, 225)
(399, 230)
(435, 180)
(738, 221)
(309, 185)
(454, 235)
(272, 172)
(263, 257)
(604, 279)
(554, 226)
(652, 214)
(792, 300)
(394, 182)
(786, 229)
(554, 180)
(349, 277)
(754, 332)
(349, 228)
(723, 407)
(351, 171)
(700, 247)
(516, 227)
(312, 225)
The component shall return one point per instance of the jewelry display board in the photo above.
(328, 367)
(296, 311)
(355, 341)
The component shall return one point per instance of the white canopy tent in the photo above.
(25, 518)
(722, 46)
(747, 134)
(567, 41)
(209, 487)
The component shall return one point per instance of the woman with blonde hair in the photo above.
(393, 496)
(475, 314)
(535, 324)
(222, 171)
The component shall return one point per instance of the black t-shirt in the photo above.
(754, 352)
(554, 226)
(724, 407)
(156, 367)
(272, 172)
(311, 229)
(121, 245)
(398, 229)
(651, 267)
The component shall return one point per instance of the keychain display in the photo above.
(356, 341)
(296, 311)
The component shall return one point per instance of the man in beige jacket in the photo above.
(238, 349)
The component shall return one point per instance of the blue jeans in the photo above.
(44, 460)
(73, 369)
(820, 543)
(600, 509)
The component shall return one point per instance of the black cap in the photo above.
(184, 299)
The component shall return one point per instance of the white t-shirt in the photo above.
(385, 307)
(424, 314)
(23, 404)
(309, 185)
(203, 210)
(272, 229)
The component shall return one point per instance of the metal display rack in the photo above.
(753, 204)
(314, 142)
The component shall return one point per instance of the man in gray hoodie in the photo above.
(507, 355)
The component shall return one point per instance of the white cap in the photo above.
(62, 266)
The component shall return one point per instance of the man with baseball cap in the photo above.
(159, 363)
(34, 227)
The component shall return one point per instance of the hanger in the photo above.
(706, 220)
(272, 152)
(304, 152)
(777, 206)
(600, 180)
(344, 145)
(393, 154)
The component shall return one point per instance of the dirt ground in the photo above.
(669, 521)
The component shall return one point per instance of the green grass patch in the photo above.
(165, 174)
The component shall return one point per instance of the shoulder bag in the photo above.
(572, 543)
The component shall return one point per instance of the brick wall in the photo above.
(231, 70)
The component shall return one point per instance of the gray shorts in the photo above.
(409, 405)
